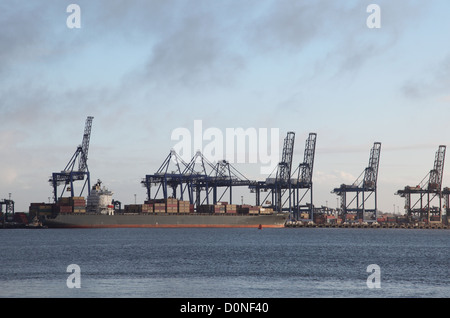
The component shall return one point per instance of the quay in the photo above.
(306, 224)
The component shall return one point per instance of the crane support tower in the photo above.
(303, 184)
(362, 190)
(70, 173)
(283, 177)
(278, 186)
(296, 184)
(8, 214)
(427, 192)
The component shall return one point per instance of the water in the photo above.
(225, 263)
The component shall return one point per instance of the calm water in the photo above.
(203, 263)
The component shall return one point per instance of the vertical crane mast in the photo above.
(304, 179)
(85, 144)
(435, 181)
(284, 172)
(283, 178)
(67, 176)
(308, 160)
(371, 172)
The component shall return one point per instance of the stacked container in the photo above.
(41, 209)
(231, 208)
(159, 207)
(133, 208)
(147, 208)
(206, 208)
(254, 210)
(64, 205)
(183, 206)
(20, 217)
(172, 205)
(243, 209)
(265, 210)
(79, 204)
(219, 208)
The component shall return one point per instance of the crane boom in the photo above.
(284, 172)
(85, 144)
(308, 160)
(371, 172)
(435, 181)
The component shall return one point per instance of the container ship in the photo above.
(99, 211)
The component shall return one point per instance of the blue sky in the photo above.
(145, 68)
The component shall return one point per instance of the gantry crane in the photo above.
(428, 192)
(303, 182)
(8, 215)
(193, 178)
(70, 174)
(363, 190)
(280, 185)
(283, 178)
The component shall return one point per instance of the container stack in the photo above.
(183, 206)
(304, 215)
(205, 208)
(40, 209)
(159, 207)
(133, 208)
(219, 208)
(147, 208)
(64, 205)
(391, 219)
(231, 208)
(330, 219)
(243, 209)
(20, 217)
(172, 205)
(263, 210)
(79, 204)
(319, 219)
(253, 210)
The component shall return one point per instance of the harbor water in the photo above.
(224, 263)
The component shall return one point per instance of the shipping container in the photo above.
(265, 210)
(159, 207)
(147, 208)
(183, 206)
(304, 215)
(231, 208)
(205, 208)
(218, 208)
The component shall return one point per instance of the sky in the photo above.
(143, 69)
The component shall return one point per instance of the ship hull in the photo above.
(165, 221)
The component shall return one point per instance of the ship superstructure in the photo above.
(100, 200)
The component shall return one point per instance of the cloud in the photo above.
(193, 55)
(434, 82)
(335, 177)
